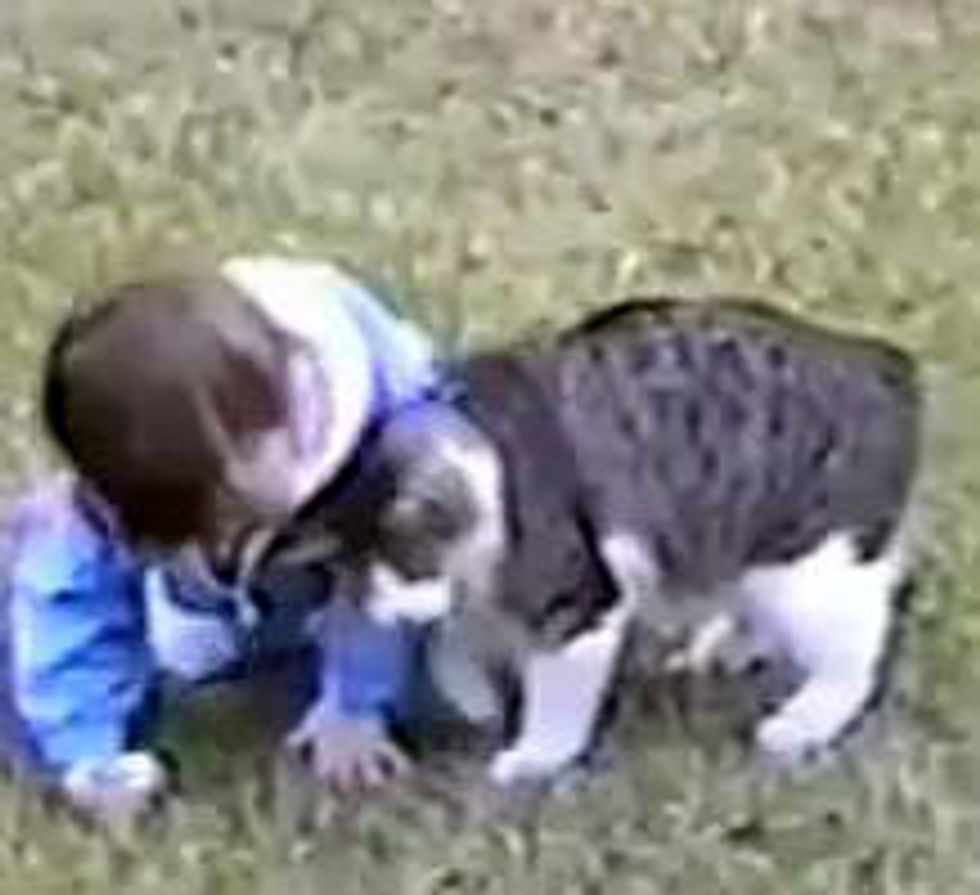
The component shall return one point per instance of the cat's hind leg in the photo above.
(830, 613)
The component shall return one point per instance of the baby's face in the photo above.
(263, 487)
(225, 556)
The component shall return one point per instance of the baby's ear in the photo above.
(262, 472)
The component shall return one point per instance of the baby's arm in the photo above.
(82, 673)
(367, 678)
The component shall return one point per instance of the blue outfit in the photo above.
(80, 667)
(78, 659)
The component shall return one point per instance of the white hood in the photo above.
(332, 403)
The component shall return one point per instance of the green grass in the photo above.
(502, 165)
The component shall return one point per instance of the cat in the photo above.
(660, 461)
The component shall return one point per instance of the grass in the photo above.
(502, 165)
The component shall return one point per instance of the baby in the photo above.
(201, 414)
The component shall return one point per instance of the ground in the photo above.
(500, 166)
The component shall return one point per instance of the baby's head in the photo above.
(173, 399)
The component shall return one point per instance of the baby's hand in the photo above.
(119, 793)
(347, 754)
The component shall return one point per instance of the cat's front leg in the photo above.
(563, 691)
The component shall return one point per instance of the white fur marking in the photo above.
(394, 599)
(474, 560)
(632, 567)
(698, 654)
(563, 692)
(830, 615)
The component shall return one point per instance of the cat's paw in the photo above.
(522, 764)
(786, 742)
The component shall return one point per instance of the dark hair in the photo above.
(133, 385)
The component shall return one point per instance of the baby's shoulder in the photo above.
(50, 543)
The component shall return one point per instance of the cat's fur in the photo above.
(661, 460)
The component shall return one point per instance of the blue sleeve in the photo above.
(81, 669)
(368, 670)
(403, 356)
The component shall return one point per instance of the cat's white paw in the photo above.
(524, 765)
(786, 742)
(697, 656)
